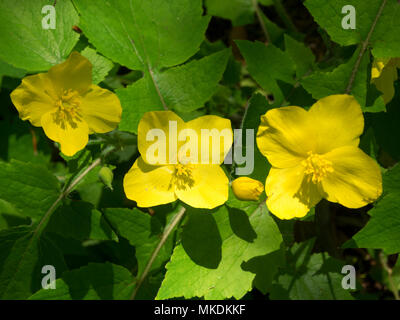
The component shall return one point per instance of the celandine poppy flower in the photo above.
(181, 164)
(314, 154)
(66, 104)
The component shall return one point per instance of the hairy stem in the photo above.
(163, 239)
(280, 9)
(364, 48)
(157, 89)
(261, 21)
(392, 285)
(66, 192)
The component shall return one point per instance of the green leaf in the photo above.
(268, 65)
(22, 256)
(257, 106)
(20, 141)
(21, 32)
(143, 232)
(142, 34)
(241, 12)
(81, 222)
(386, 126)
(101, 65)
(265, 275)
(184, 88)
(391, 180)
(309, 276)
(384, 39)
(383, 229)
(30, 188)
(208, 262)
(321, 84)
(96, 281)
(10, 217)
(266, 2)
(136, 100)
(10, 71)
(301, 55)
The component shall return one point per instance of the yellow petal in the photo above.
(34, 97)
(356, 179)
(339, 122)
(285, 135)
(247, 189)
(207, 188)
(72, 133)
(75, 73)
(377, 67)
(216, 132)
(101, 109)
(149, 185)
(152, 122)
(289, 193)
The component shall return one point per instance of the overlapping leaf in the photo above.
(21, 32)
(96, 281)
(29, 187)
(213, 250)
(376, 19)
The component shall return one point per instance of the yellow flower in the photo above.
(162, 175)
(314, 154)
(383, 74)
(247, 189)
(66, 104)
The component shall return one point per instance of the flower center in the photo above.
(68, 108)
(316, 167)
(183, 178)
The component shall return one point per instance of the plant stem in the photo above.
(364, 48)
(163, 239)
(261, 21)
(325, 227)
(66, 192)
(280, 9)
(392, 285)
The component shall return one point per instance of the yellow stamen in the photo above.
(183, 176)
(68, 104)
(316, 167)
(68, 109)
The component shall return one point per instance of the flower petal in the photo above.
(356, 179)
(101, 109)
(377, 67)
(285, 135)
(289, 193)
(34, 97)
(210, 187)
(149, 185)
(74, 73)
(223, 134)
(155, 121)
(339, 122)
(72, 134)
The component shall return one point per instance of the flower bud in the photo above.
(106, 176)
(246, 189)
